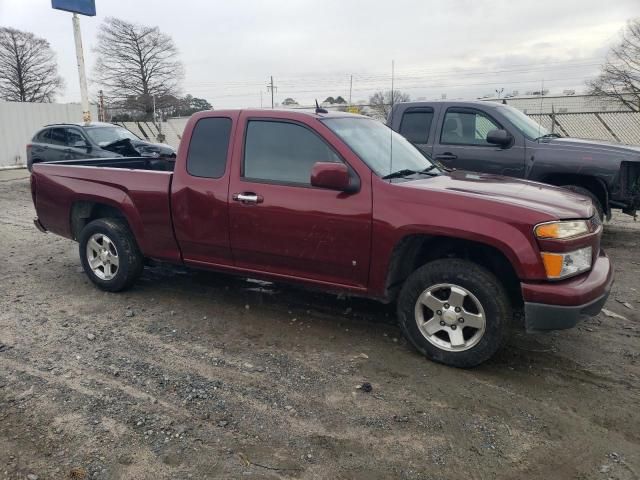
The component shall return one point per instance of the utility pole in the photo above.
(350, 88)
(84, 93)
(260, 98)
(271, 88)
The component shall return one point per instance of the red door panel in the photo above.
(302, 232)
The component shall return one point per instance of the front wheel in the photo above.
(454, 312)
(109, 254)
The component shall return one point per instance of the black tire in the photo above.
(130, 260)
(482, 284)
(587, 193)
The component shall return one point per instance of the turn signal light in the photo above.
(561, 230)
(561, 265)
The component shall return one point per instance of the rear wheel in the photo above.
(109, 254)
(587, 193)
(454, 312)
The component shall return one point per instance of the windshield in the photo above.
(105, 135)
(382, 149)
(527, 126)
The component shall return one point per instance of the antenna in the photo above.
(391, 122)
(320, 110)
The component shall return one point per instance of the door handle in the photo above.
(446, 156)
(247, 197)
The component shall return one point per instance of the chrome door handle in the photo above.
(247, 197)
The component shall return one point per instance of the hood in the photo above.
(592, 146)
(555, 202)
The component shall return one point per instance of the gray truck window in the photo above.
(207, 155)
(527, 126)
(283, 152)
(466, 127)
(415, 125)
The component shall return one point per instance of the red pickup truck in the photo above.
(343, 203)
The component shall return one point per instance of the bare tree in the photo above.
(137, 63)
(620, 76)
(382, 102)
(28, 68)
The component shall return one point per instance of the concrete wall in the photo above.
(19, 121)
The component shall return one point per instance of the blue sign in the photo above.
(83, 7)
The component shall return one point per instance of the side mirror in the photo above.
(334, 176)
(81, 144)
(499, 137)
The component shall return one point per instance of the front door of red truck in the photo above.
(279, 223)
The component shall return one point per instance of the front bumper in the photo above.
(560, 305)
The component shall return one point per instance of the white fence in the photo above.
(19, 121)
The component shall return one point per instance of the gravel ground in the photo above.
(198, 375)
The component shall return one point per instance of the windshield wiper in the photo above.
(405, 172)
(400, 173)
(549, 135)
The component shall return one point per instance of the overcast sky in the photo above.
(461, 48)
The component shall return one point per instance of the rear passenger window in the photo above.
(283, 152)
(415, 125)
(207, 156)
(42, 137)
(57, 136)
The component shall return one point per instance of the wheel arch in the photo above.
(85, 211)
(415, 250)
(595, 185)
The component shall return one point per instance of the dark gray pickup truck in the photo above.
(496, 138)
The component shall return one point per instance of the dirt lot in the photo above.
(199, 375)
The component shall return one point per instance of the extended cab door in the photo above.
(282, 225)
(461, 143)
(200, 188)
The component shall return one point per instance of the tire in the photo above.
(443, 284)
(587, 193)
(110, 255)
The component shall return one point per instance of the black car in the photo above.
(71, 141)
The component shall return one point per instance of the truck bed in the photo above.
(139, 188)
(136, 163)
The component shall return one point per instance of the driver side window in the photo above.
(466, 127)
(283, 152)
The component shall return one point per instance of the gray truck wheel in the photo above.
(109, 254)
(587, 193)
(454, 312)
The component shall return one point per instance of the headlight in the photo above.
(560, 230)
(560, 265)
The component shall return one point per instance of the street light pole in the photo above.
(84, 93)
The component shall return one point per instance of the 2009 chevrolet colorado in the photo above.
(343, 203)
